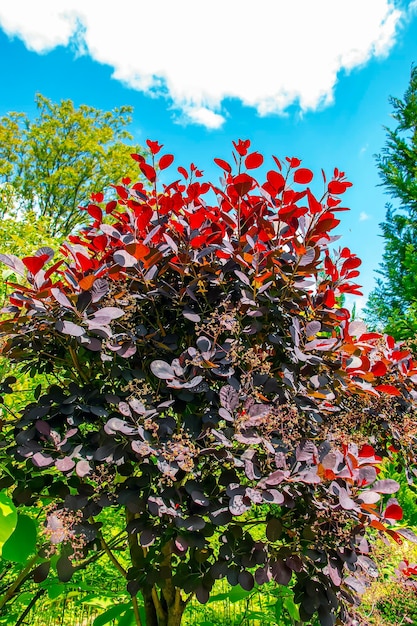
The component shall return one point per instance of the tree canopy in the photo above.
(393, 304)
(50, 164)
(201, 379)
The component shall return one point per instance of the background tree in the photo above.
(393, 304)
(201, 381)
(50, 164)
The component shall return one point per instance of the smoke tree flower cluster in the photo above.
(198, 353)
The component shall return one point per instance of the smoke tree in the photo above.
(205, 383)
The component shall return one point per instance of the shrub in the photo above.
(204, 381)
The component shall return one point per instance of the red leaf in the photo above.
(85, 263)
(314, 205)
(379, 369)
(350, 264)
(242, 147)
(183, 172)
(242, 184)
(368, 336)
(345, 253)
(336, 187)
(293, 161)
(390, 342)
(278, 162)
(153, 146)
(393, 511)
(198, 241)
(95, 212)
(254, 160)
(97, 197)
(333, 202)
(223, 164)
(165, 161)
(35, 263)
(329, 298)
(122, 192)
(138, 157)
(148, 171)
(366, 451)
(110, 206)
(398, 355)
(276, 180)
(303, 176)
(389, 389)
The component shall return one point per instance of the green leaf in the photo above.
(128, 618)
(22, 542)
(113, 613)
(8, 519)
(55, 590)
(292, 608)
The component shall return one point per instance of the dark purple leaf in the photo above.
(221, 517)
(386, 486)
(262, 575)
(199, 498)
(180, 545)
(280, 572)
(407, 533)
(242, 277)
(246, 580)
(43, 427)
(61, 298)
(306, 451)
(147, 537)
(106, 315)
(99, 289)
(14, 262)
(202, 594)
(124, 259)
(272, 496)
(40, 573)
(82, 468)
(294, 563)
(41, 460)
(91, 343)
(195, 522)
(313, 328)
(276, 477)
(65, 465)
(191, 315)
(274, 529)
(162, 370)
(229, 397)
(69, 328)
(225, 415)
(64, 569)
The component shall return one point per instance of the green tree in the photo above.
(393, 304)
(51, 164)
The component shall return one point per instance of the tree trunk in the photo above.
(167, 607)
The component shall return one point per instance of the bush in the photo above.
(204, 382)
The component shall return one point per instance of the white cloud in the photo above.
(364, 216)
(269, 54)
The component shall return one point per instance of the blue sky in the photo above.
(304, 78)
